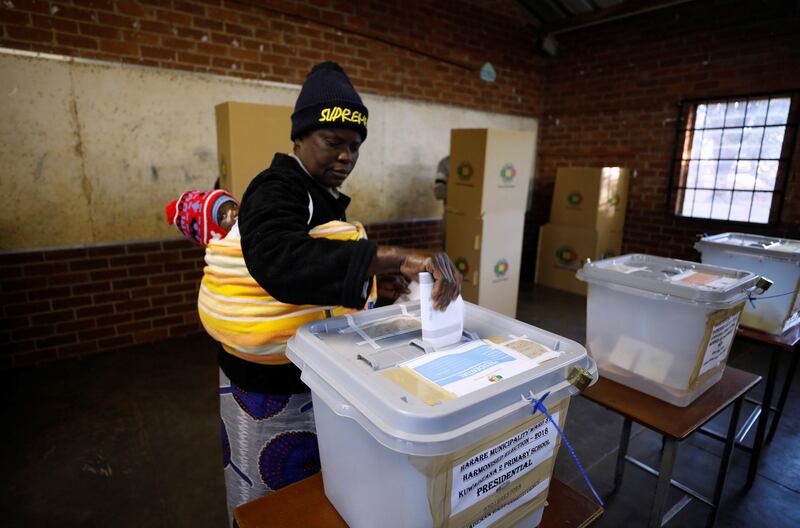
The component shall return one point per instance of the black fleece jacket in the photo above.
(279, 253)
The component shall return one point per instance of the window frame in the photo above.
(684, 126)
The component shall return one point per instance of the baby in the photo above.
(203, 216)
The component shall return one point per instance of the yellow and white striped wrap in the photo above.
(245, 319)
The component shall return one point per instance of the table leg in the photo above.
(669, 450)
(787, 384)
(725, 464)
(623, 450)
(766, 403)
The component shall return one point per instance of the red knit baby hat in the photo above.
(192, 215)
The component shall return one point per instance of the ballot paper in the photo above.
(440, 328)
(470, 367)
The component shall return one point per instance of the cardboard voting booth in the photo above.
(487, 191)
(587, 218)
(248, 136)
(591, 198)
(487, 251)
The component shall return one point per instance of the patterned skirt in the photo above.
(268, 441)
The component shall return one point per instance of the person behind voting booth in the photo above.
(296, 243)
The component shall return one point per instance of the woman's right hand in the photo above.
(447, 279)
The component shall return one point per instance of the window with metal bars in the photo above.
(732, 157)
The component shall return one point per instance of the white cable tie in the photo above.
(352, 324)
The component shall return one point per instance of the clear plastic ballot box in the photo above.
(663, 326)
(775, 258)
(414, 437)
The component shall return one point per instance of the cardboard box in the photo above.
(490, 170)
(487, 250)
(591, 198)
(562, 250)
(248, 136)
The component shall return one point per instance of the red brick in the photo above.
(189, 286)
(134, 9)
(29, 34)
(55, 341)
(17, 285)
(146, 270)
(127, 260)
(90, 264)
(178, 44)
(191, 58)
(75, 326)
(126, 284)
(157, 53)
(114, 296)
(113, 320)
(15, 18)
(155, 27)
(92, 30)
(67, 278)
(132, 328)
(52, 317)
(148, 39)
(91, 311)
(98, 333)
(76, 41)
(71, 302)
(46, 268)
(109, 19)
(131, 305)
(173, 17)
(188, 7)
(92, 287)
(169, 278)
(150, 291)
(32, 332)
(9, 299)
(206, 23)
(13, 258)
(119, 48)
(149, 314)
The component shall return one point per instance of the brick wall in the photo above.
(612, 98)
(417, 49)
(62, 303)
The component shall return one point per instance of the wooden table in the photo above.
(777, 344)
(675, 424)
(303, 505)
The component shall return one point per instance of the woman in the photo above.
(268, 426)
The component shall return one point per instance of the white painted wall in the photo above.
(92, 152)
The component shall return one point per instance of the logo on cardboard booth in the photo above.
(501, 268)
(465, 171)
(508, 172)
(462, 265)
(614, 200)
(574, 199)
(567, 255)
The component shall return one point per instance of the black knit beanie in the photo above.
(328, 100)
